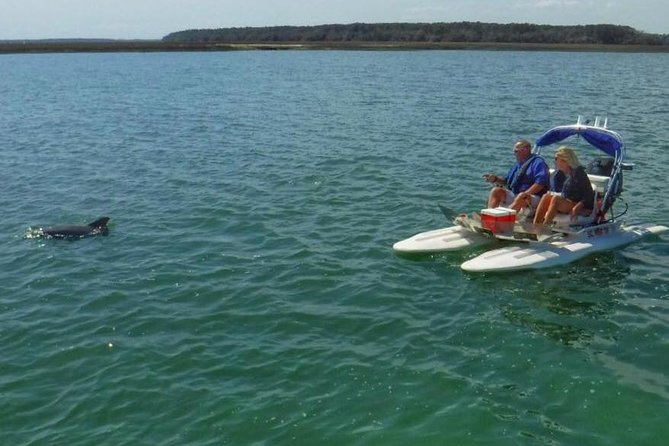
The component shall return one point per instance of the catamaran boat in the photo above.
(528, 246)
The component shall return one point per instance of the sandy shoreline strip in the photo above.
(14, 47)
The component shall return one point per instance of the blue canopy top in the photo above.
(605, 140)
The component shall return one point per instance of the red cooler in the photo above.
(498, 220)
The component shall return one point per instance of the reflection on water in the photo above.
(591, 306)
(565, 333)
(570, 304)
(653, 382)
(587, 316)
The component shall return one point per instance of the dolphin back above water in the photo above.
(98, 227)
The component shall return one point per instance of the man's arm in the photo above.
(534, 189)
(490, 178)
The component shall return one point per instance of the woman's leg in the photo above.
(542, 208)
(558, 204)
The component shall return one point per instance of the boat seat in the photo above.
(563, 220)
(599, 182)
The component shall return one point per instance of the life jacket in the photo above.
(521, 172)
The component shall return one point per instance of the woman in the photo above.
(577, 196)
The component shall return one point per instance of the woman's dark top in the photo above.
(557, 181)
(577, 188)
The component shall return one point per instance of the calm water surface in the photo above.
(248, 293)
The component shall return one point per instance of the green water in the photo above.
(247, 292)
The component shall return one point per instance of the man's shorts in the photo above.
(510, 196)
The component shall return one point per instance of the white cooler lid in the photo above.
(498, 212)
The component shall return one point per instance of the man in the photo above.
(524, 184)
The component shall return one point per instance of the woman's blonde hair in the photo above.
(567, 155)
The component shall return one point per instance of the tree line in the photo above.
(425, 32)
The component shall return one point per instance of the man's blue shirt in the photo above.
(535, 173)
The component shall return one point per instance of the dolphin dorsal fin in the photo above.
(99, 223)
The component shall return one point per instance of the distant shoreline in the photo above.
(77, 46)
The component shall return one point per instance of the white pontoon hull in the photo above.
(452, 238)
(558, 252)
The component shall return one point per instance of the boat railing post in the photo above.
(596, 121)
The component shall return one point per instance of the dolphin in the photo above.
(98, 227)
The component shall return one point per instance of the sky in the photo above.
(153, 19)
